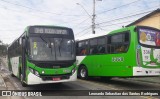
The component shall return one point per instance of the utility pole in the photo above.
(93, 17)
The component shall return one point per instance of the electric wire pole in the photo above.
(93, 16)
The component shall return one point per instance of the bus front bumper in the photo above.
(33, 79)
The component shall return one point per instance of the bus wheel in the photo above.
(21, 78)
(83, 72)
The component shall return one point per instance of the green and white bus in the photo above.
(128, 52)
(43, 54)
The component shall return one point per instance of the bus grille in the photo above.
(49, 77)
(51, 66)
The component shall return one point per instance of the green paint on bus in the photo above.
(127, 52)
(43, 54)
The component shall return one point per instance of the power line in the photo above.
(118, 7)
(117, 23)
(105, 26)
(81, 22)
(10, 30)
(124, 22)
(6, 8)
(116, 20)
(82, 30)
(36, 9)
(153, 8)
(123, 17)
(84, 33)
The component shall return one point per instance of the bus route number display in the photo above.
(50, 31)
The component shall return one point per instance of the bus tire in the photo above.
(83, 72)
(22, 82)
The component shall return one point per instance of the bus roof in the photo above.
(89, 36)
(122, 29)
(98, 35)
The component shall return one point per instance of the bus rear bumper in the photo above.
(33, 79)
(140, 71)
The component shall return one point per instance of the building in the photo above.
(152, 19)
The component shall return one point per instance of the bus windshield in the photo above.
(149, 37)
(51, 49)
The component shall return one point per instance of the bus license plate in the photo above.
(56, 79)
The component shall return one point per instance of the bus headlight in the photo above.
(36, 73)
(73, 70)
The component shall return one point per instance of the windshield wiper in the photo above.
(49, 45)
(43, 39)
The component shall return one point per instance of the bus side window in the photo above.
(101, 45)
(93, 46)
(82, 48)
(118, 43)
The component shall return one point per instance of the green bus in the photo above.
(43, 54)
(128, 52)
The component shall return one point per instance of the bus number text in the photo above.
(117, 59)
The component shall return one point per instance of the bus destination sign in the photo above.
(49, 30)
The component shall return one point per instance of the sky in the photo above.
(16, 15)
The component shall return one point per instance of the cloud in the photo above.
(15, 15)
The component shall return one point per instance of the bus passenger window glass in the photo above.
(101, 41)
(101, 45)
(93, 46)
(117, 38)
(126, 37)
(82, 48)
(119, 43)
(93, 42)
(80, 44)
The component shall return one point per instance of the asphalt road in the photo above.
(72, 88)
